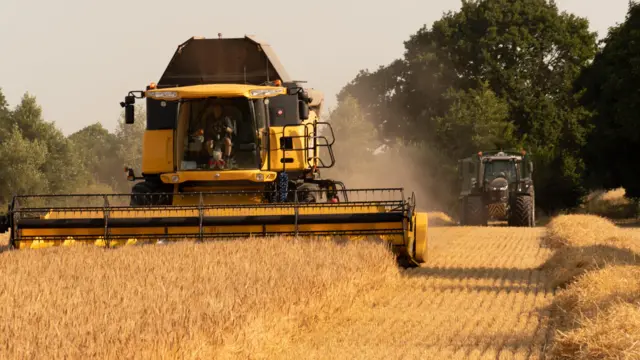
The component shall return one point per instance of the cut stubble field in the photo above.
(481, 295)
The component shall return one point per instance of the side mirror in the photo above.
(129, 115)
(127, 104)
(301, 92)
(303, 108)
(531, 167)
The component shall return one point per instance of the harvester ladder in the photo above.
(313, 157)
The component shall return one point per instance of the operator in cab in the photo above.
(218, 129)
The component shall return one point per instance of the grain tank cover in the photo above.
(234, 60)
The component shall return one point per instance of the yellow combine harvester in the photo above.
(231, 149)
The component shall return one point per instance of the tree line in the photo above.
(509, 74)
(37, 158)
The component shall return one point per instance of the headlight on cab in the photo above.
(162, 94)
(265, 92)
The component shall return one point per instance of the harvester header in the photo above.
(231, 149)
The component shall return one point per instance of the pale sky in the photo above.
(80, 58)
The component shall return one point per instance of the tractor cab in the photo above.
(499, 168)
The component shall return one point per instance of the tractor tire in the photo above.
(475, 211)
(533, 207)
(522, 211)
(4, 223)
(462, 211)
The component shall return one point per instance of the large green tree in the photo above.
(21, 161)
(62, 165)
(376, 93)
(476, 119)
(36, 157)
(609, 89)
(129, 138)
(98, 148)
(104, 155)
(4, 107)
(355, 139)
(526, 51)
(5, 117)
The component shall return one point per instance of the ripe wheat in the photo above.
(480, 296)
(597, 316)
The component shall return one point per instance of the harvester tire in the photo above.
(145, 189)
(306, 193)
(522, 211)
(405, 262)
(475, 211)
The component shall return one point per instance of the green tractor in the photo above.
(498, 186)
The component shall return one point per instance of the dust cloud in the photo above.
(395, 170)
(363, 162)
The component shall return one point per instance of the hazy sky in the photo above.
(80, 58)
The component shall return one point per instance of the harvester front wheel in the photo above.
(142, 194)
(405, 262)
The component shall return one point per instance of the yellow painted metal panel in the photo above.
(158, 151)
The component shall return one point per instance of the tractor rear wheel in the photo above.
(462, 211)
(522, 211)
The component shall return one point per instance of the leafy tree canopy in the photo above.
(503, 69)
(609, 88)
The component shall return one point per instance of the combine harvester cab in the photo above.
(257, 174)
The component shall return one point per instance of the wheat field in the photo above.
(596, 269)
(479, 297)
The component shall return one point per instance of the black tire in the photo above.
(141, 194)
(475, 211)
(462, 211)
(271, 195)
(405, 262)
(4, 223)
(522, 211)
(307, 193)
(533, 206)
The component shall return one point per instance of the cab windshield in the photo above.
(220, 133)
(500, 168)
